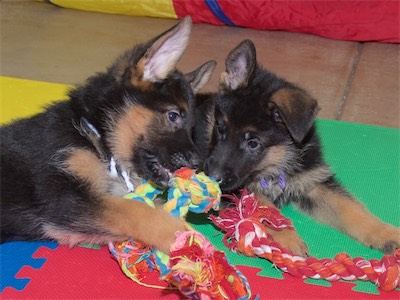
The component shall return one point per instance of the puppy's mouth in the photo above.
(229, 187)
(159, 173)
(234, 183)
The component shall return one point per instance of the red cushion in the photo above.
(361, 20)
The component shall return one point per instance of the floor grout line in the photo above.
(347, 88)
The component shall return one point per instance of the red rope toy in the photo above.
(244, 226)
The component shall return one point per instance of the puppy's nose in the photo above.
(211, 171)
(216, 176)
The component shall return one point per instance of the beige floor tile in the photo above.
(374, 97)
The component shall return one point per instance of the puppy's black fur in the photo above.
(63, 171)
(261, 135)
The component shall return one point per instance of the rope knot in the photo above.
(245, 223)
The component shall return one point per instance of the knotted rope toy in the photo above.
(193, 265)
(244, 225)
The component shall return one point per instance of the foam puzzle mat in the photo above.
(365, 158)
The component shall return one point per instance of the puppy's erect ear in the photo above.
(199, 77)
(240, 65)
(162, 56)
(154, 61)
(296, 109)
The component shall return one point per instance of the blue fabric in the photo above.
(218, 12)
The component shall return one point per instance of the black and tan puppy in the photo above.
(63, 171)
(261, 135)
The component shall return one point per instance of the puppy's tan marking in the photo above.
(250, 129)
(288, 98)
(183, 105)
(85, 165)
(352, 218)
(284, 98)
(128, 128)
(275, 156)
(303, 182)
(137, 79)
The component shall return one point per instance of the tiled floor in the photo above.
(352, 81)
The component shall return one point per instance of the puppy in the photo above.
(63, 171)
(258, 133)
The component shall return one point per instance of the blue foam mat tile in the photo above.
(16, 255)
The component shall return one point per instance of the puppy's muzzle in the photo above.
(225, 176)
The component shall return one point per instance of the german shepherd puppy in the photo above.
(258, 133)
(63, 171)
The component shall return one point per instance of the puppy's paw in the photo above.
(387, 239)
(384, 237)
(390, 246)
(290, 240)
(165, 229)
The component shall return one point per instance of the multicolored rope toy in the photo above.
(193, 266)
(244, 225)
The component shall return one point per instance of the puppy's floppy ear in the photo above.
(199, 77)
(297, 111)
(240, 65)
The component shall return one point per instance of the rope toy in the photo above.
(194, 266)
(244, 226)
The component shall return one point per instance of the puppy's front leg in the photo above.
(287, 238)
(153, 226)
(335, 207)
(111, 217)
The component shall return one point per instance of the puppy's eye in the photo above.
(253, 144)
(276, 115)
(173, 116)
(220, 129)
